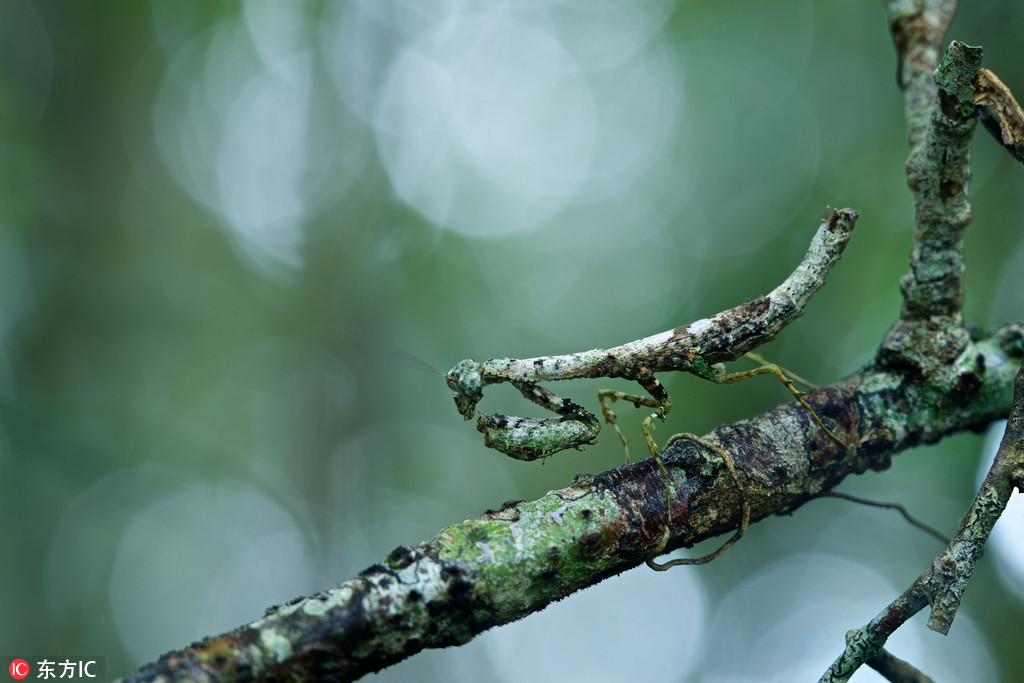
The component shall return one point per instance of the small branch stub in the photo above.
(1000, 113)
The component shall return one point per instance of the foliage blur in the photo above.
(234, 237)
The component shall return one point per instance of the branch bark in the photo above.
(514, 561)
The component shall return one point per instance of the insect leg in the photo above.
(658, 399)
(526, 438)
(772, 369)
(744, 521)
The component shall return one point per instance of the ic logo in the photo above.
(19, 668)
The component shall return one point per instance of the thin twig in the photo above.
(943, 585)
(891, 506)
(896, 670)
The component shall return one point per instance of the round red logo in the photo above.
(18, 669)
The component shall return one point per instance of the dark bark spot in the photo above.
(967, 387)
(450, 572)
(948, 104)
(509, 511)
(460, 589)
(756, 308)
(496, 421)
(591, 544)
(631, 539)
(949, 189)
(876, 442)
(891, 357)
(401, 557)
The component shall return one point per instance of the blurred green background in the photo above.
(234, 236)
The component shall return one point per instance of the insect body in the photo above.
(530, 439)
(699, 348)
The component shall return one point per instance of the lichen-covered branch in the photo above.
(866, 643)
(516, 560)
(930, 335)
(939, 109)
(938, 173)
(943, 585)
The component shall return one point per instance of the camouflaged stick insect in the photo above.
(699, 348)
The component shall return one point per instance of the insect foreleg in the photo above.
(521, 437)
(530, 439)
(658, 400)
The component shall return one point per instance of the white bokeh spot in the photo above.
(218, 554)
(787, 621)
(490, 119)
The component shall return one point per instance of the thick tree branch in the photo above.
(516, 560)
